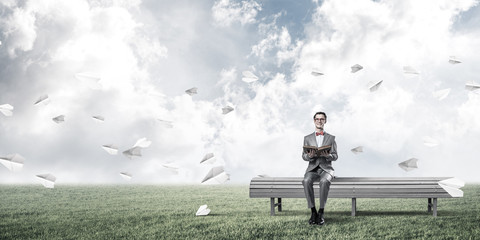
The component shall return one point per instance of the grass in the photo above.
(168, 212)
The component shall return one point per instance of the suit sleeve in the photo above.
(333, 156)
(304, 154)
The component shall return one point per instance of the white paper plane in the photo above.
(375, 86)
(263, 176)
(441, 94)
(216, 175)
(42, 99)
(172, 168)
(409, 70)
(357, 150)
(47, 180)
(125, 175)
(356, 68)
(453, 60)
(316, 72)
(165, 123)
(14, 162)
(208, 158)
(429, 141)
(227, 109)
(203, 211)
(111, 149)
(191, 91)
(91, 80)
(249, 77)
(99, 118)
(6, 109)
(472, 86)
(59, 119)
(409, 164)
(452, 185)
(133, 152)
(143, 143)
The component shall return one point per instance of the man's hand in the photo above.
(311, 153)
(323, 153)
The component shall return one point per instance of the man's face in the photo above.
(319, 121)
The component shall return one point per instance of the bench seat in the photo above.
(356, 187)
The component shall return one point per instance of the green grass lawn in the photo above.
(168, 212)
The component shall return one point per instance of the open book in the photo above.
(317, 149)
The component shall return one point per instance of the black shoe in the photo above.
(320, 219)
(313, 219)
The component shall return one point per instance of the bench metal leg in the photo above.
(429, 204)
(354, 206)
(279, 204)
(435, 207)
(273, 205)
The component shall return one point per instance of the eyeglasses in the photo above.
(320, 119)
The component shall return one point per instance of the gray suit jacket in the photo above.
(324, 162)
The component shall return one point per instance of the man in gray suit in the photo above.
(319, 166)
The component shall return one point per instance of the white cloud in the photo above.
(226, 12)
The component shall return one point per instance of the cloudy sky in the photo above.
(146, 53)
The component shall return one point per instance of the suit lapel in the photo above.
(326, 136)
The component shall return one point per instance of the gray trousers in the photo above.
(314, 176)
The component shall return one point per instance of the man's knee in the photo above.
(324, 182)
(307, 182)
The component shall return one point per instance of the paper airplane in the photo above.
(143, 143)
(14, 162)
(249, 77)
(172, 168)
(111, 149)
(99, 119)
(409, 70)
(375, 86)
(227, 109)
(203, 211)
(208, 158)
(6, 109)
(409, 165)
(453, 60)
(133, 152)
(472, 86)
(316, 72)
(42, 99)
(216, 175)
(441, 94)
(59, 119)
(263, 175)
(89, 79)
(429, 141)
(125, 175)
(357, 150)
(191, 91)
(47, 180)
(452, 185)
(167, 124)
(356, 68)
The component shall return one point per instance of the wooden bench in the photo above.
(359, 187)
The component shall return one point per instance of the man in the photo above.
(319, 166)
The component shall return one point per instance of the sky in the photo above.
(146, 54)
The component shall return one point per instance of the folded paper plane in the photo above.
(453, 60)
(133, 152)
(203, 211)
(125, 175)
(429, 141)
(374, 86)
(59, 119)
(316, 72)
(6, 109)
(357, 150)
(356, 68)
(191, 91)
(249, 77)
(216, 175)
(208, 158)
(91, 80)
(227, 109)
(409, 165)
(111, 149)
(99, 118)
(441, 94)
(47, 180)
(14, 162)
(409, 70)
(42, 99)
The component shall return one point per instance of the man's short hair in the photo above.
(324, 114)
